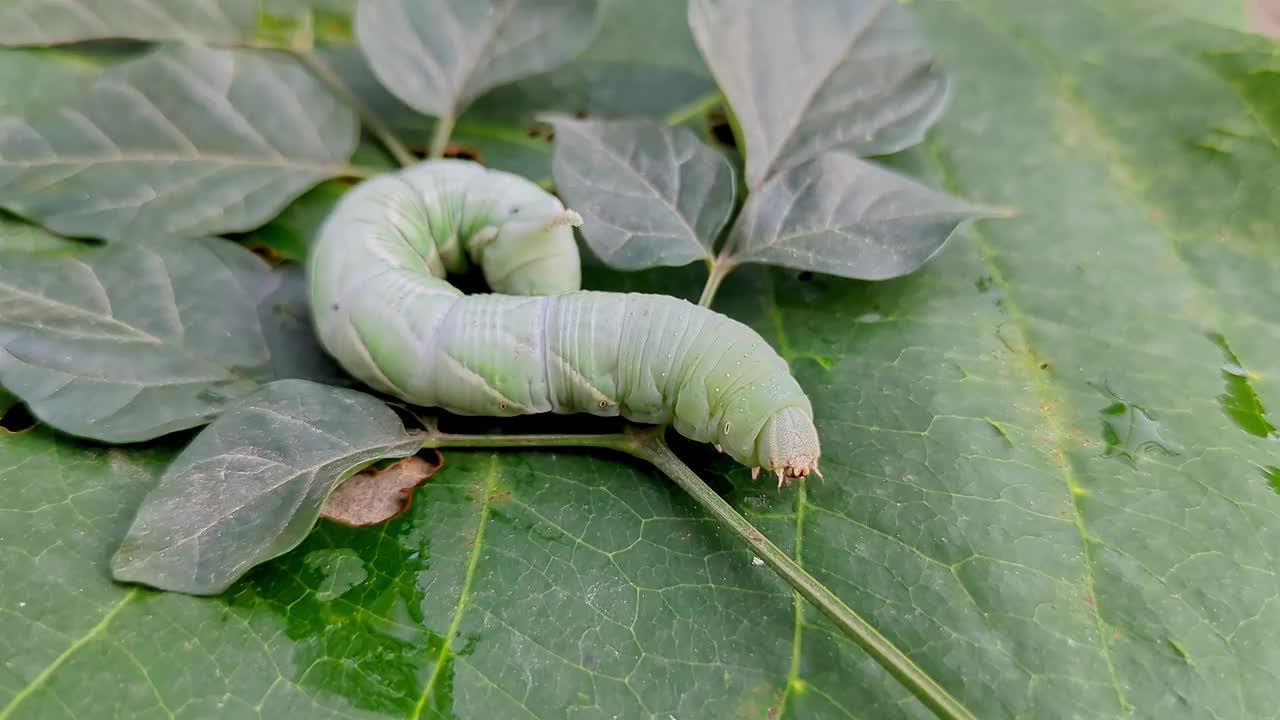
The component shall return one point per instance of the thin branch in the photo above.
(359, 171)
(612, 441)
(718, 270)
(696, 108)
(326, 75)
(440, 137)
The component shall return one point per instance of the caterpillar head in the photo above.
(534, 256)
(788, 445)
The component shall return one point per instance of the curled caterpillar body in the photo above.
(383, 309)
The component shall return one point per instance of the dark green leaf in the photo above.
(269, 22)
(805, 76)
(285, 314)
(41, 22)
(439, 55)
(649, 195)
(135, 340)
(252, 484)
(184, 141)
(845, 216)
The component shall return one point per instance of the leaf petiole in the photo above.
(440, 136)
(325, 74)
(718, 269)
(698, 107)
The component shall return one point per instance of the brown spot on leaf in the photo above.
(541, 132)
(376, 495)
(462, 152)
(16, 418)
(266, 253)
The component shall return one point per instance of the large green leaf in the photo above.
(1037, 481)
(36, 82)
(844, 74)
(439, 55)
(186, 140)
(132, 341)
(39, 22)
(643, 61)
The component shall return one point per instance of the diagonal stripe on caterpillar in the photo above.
(383, 309)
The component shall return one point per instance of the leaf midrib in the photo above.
(1046, 402)
(473, 560)
(43, 676)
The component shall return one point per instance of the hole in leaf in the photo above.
(17, 418)
(721, 130)
(376, 495)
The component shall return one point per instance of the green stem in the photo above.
(720, 268)
(359, 171)
(612, 441)
(699, 106)
(326, 75)
(440, 137)
(654, 449)
(649, 444)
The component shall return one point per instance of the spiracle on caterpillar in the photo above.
(383, 308)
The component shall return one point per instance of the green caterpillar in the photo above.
(383, 309)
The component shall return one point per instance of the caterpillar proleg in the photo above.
(383, 309)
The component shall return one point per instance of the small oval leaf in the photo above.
(845, 216)
(184, 141)
(250, 486)
(649, 195)
(439, 55)
(805, 76)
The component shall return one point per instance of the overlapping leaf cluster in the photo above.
(132, 341)
(1050, 461)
